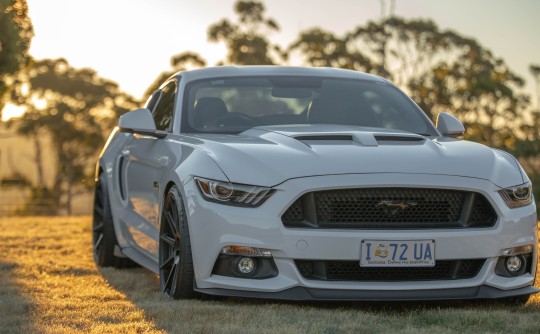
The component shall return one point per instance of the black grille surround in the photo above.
(351, 271)
(390, 208)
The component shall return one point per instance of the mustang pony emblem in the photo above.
(392, 208)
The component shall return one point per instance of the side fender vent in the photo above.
(121, 180)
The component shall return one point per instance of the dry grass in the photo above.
(48, 283)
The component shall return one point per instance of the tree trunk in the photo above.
(38, 161)
(69, 188)
(60, 175)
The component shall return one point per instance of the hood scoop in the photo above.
(363, 138)
(399, 139)
(324, 137)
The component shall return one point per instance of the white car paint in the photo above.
(272, 156)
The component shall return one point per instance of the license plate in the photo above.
(397, 253)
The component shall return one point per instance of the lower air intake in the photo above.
(351, 271)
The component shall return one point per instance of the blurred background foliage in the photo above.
(440, 69)
(16, 32)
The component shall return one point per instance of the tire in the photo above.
(103, 235)
(175, 261)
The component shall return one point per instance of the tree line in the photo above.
(440, 69)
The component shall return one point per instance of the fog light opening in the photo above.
(515, 264)
(245, 266)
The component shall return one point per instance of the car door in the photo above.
(147, 160)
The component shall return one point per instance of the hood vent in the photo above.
(363, 138)
(398, 138)
(324, 137)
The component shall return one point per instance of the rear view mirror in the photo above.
(139, 121)
(449, 126)
(291, 93)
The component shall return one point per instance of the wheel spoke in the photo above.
(98, 227)
(167, 262)
(175, 278)
(171, 274)
(167, 239)
(172, 224)
(98, 242)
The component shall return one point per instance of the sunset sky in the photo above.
(131, 42)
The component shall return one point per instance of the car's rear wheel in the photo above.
(175, 260)
(104, 237)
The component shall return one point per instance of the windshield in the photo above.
(233, 105)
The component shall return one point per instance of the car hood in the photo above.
(268, 156)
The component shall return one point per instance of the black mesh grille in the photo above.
(295, 213)
(356, 206)
(482, 211)
(390, 208)
(351, 271)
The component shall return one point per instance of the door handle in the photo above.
(156, 186)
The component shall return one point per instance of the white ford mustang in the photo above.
(310, 183)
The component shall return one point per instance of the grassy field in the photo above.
(49, 284)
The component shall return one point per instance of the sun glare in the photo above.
(39, 103)
(11, 111)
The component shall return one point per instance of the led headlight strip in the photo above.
(517, 196)
(233, 193)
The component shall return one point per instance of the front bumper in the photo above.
(214, 226)
(302, 293)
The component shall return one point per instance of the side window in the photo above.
(163, 112)
(152, 100)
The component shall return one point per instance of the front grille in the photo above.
(390, 208)
(351, 271)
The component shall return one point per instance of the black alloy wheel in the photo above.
(103, 234)
(175, 260)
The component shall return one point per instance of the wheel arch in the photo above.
(169, 182)
(105, 167)
(168, 187)
(99, 171)
(174, 180)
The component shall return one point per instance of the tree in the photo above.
(180, 62)
(481, 90)
(322, 48)
(16, 32)
(528, 148)
(246, 40)
(442, 71)
(80, 110)
(535, 71)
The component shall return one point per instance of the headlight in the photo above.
(233, 193)
(517, 196)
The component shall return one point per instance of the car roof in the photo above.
(241, 71)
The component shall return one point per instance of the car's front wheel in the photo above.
(175, 260)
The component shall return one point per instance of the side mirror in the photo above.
(449, 126)
(139, 121)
